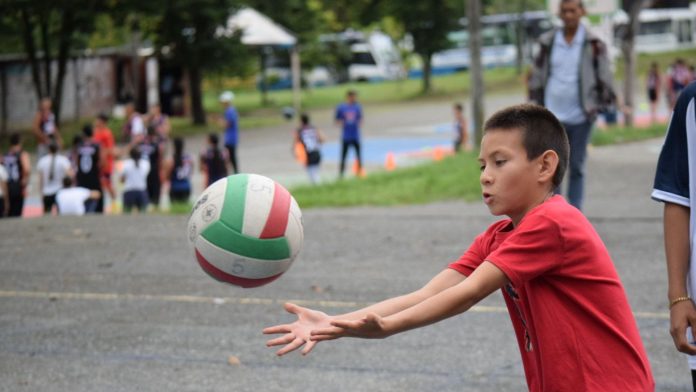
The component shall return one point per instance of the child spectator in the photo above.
(461, 135)
(177, 171)
(213, 161)
(71, 199)
(52, 168)
(134, 178)
(18, 168)
(311, 140)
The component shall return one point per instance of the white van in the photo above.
(375, 59)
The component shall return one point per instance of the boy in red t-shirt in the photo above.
(568, 307)
(105, 138)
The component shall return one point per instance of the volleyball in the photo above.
(245, 230)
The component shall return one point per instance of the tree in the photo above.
(428, 22)
(50, 31)
(191, 31)
(632, 8)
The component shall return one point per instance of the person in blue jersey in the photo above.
(177, 171)
(349, 115)
(310, 138)
(231, 121)
(674, 177)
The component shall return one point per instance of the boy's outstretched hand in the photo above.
(298, 332)
(372, 326)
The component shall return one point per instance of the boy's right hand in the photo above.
(682, 316)
(298, 332)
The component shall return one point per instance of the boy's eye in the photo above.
(482, 167)
(500, 162)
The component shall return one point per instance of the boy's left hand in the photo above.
(372, 326)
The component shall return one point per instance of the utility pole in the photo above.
(473, 16)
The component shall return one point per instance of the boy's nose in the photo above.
(485, 177)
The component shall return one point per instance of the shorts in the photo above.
(313, 158)
(48, 202)
(652, 95)
(179, 196)
(136, 199)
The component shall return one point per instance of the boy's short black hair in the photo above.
(541, 131)
(304, 118)
(67, 182)
(87, 130)
(15, 139)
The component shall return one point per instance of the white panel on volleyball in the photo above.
(240, 266)
(294, 232)
(257, 204)
(207, 209)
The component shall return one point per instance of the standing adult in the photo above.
(653, 83)
(678, 77)
(18, 167)
(349, 115)
(52, 169)
(4, 202)
(90, 161)
(231, 121)
(45, 127)
(105, 138)
(674, 179)
(151, 149)
(159, 121)
(571, 77)
(134, 127)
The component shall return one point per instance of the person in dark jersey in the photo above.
(213, 161)
(151, 149)
(17, 164)
(90, 161)
(311, 140)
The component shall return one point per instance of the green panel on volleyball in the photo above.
(223, 236)
(235, 199)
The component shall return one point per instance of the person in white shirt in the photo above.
(4, 202)
(52, 168)
(134, 178)
(71, 199)
(134, 128)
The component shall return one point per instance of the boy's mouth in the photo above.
(487, 197)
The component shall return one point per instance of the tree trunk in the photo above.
(66, 33)
(3, 108)
(27, 28)
(264, 80)
(629, 54)
(477, 105)
(46, 41)
(520, 36)
(197, 112)
(427, 72)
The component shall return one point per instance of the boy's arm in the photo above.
(677, 252)
(297, 333)
(454, 300)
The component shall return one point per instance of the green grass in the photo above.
(614, 135)
(645, 59)
(446, 86)
(452, 178)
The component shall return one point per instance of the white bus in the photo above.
(661, 30)
(499, 35)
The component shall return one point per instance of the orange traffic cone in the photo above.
(300, 154)
(390, 162)
(357, 170)
(438, 154)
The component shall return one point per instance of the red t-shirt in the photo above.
(105, 138)
(574, 326)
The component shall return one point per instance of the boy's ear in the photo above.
(548, 164)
